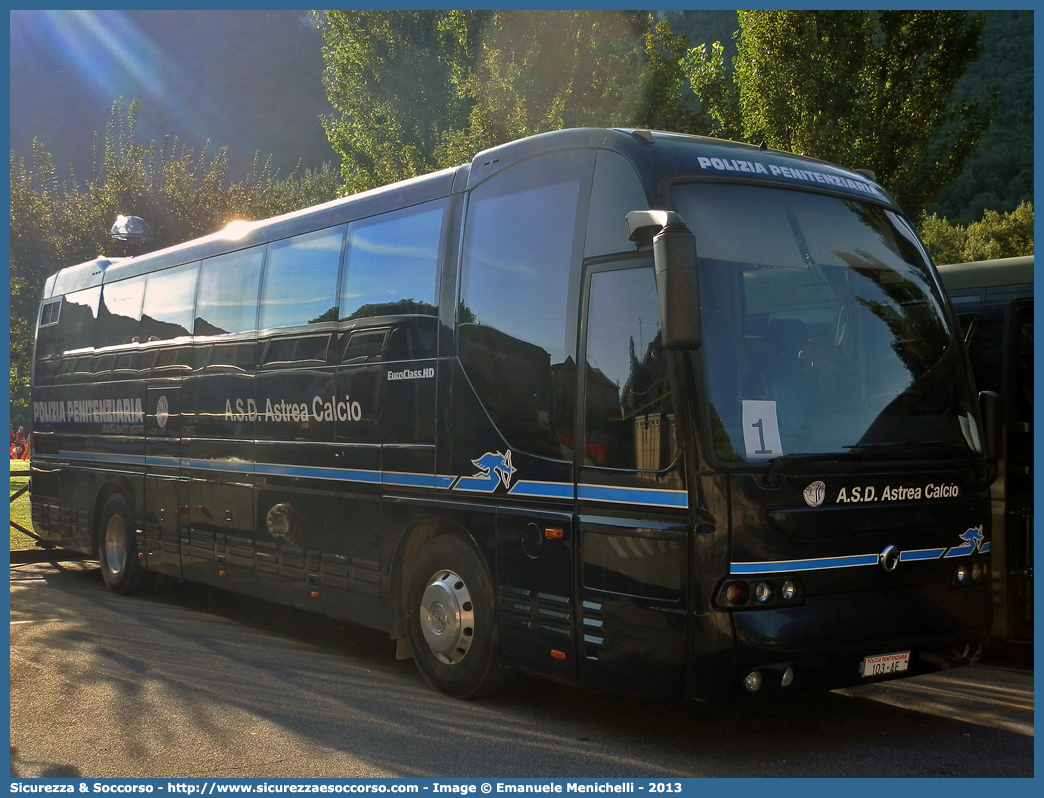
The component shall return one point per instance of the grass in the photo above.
(20, 509)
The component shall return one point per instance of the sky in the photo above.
(248, 80)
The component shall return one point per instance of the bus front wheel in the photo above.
(451, 620)
(120, 567)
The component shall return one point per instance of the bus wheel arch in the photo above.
(445, 592)
(107, 491)
(121, 569)
(451, 618)
(415, 538)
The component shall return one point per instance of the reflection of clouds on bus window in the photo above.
(301, 278)
(392, 262)
(517, 270)
(520, 280)
(169, 300)
(228, 285)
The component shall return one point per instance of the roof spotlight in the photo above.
(130, 228)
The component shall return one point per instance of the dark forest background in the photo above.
(252, 82)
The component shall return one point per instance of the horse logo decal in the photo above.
(973, 537)
(494, 469)
(973, 542)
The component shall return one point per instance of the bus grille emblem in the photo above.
(814, 494)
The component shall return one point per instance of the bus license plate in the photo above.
(885, 663)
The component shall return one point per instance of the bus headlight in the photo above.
(760, 594)
(753, 681)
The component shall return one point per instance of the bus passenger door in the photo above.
(631, 498)
(166, 494)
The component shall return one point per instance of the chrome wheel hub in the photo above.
(115, 545)
(447, 617)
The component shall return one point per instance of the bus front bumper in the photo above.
(833, 640)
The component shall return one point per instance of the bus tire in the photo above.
(121, 569)
(451, 622)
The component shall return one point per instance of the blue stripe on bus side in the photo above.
(542, 490)
(224, 466)
(340, 474)
(407, 480)
(477, 484)
(642, 496)
(165, 462)
(921, 554)
(646, 497)
(820, 563)
(104, 458)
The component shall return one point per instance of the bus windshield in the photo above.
(823, 328)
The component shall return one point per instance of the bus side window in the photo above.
(133, 364)
(616, 192)
(301, 279)
(414, 339)
(172, 360)
(365, 346)
(519, 300)
(228, 285)
(630, 424)
(233, 356)
(45, 369)
(169, 299)
(391, 264)
(984, 337)
(119, 315)
(76, 324)
(296, 351)
(65, 370)
(45, 372)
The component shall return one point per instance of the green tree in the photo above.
(858, 88)
(996, 235)
(417, 91)
(537, 72)
(181, 193)
(395, 80)
(1000, 173)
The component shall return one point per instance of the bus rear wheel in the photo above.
(120, 567)
(451, 621)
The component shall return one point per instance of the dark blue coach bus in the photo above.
(993, 300)
(639, 411)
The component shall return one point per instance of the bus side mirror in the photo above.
(677, 287)
(989, 410)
